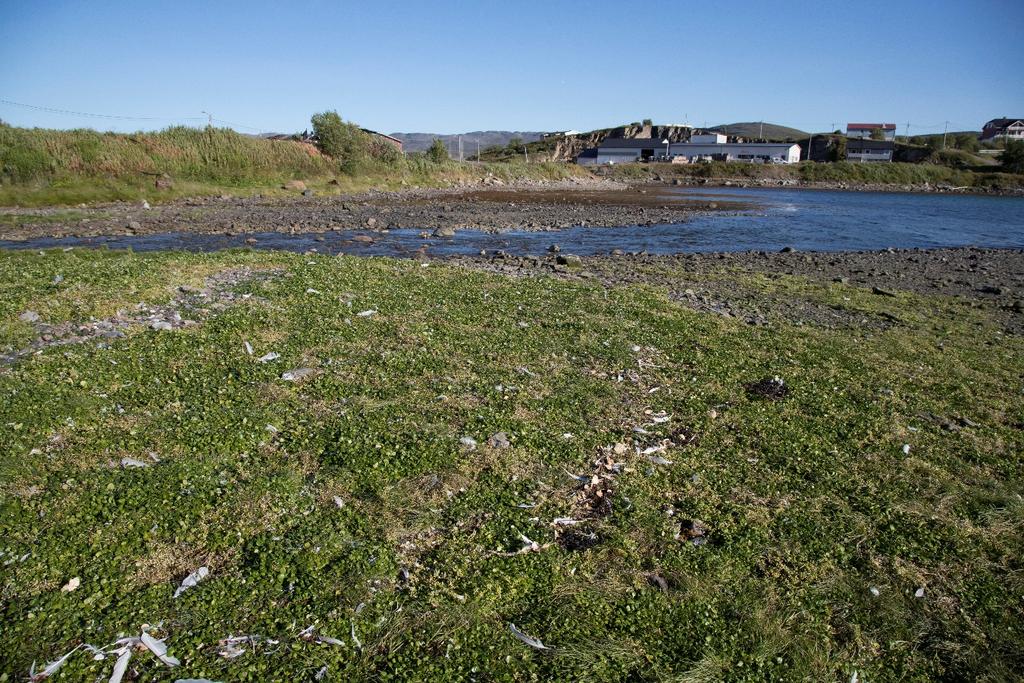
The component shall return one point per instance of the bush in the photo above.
(1012, 157)
(341, 140)
(209, 154)
(438, 153)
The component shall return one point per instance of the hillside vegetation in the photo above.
(42, 166)
(757, 129)
(839, 172)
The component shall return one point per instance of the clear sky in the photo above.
(446, 67)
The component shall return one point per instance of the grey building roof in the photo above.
(1002, 123)
(631, 143)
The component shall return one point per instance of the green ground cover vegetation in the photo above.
(828, 548)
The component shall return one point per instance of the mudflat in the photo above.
(530, 207)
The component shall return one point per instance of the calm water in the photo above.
(805, 219)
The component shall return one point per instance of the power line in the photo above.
(240, 125)
(53, 110)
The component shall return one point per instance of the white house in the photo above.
(884, 131)
(719, 150)
(711, 147)
(1009, 129)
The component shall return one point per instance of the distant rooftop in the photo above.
(870, 126)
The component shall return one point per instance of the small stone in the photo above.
(881, 292)
(468, 442)
(161, 325)
(307, 193)
(498, 440)
(444, 231)
(370, 222)
(874, 591)
(29, 317)
(569, 260)
(919, 593)
(554, 249)
(296, 374)
(295, 185)
(71, 585)
(134, 226)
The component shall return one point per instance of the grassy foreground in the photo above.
(828, 549)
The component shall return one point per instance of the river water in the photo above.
(809, 220)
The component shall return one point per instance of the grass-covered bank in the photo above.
(854, 174)
(40, 167)
(791, 539)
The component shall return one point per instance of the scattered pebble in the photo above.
(498, 440)
(296, 374)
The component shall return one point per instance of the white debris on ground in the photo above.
(192, 580)
(122, 648)
(529, 640)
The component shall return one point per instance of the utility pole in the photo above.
(760, 134)
(478, 149)
(209, 119)
(945, 129)
(907, 137)
(460, 149)
(525, 153)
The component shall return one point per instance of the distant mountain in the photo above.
(753, 129)
(418, 142)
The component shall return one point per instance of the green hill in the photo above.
(753, 129)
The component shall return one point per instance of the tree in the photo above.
(341, 140)
(966, 142)
(515, 144)
(838, 151)
(1012, 157)
(437, 152)
(648, 122)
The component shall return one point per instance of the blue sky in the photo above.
(461, 66)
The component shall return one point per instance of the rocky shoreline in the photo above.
(992, 279)
(524, 206)
(836, 186)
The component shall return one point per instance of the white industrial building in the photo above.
(708, 147)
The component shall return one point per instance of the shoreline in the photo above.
(730, 283)
(833, 186)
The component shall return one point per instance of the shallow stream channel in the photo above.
(807, 220)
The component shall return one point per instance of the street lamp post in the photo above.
(666, 143)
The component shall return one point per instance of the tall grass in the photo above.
(213, 154)
(40, 166)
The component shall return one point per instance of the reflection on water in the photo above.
(804, 219)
